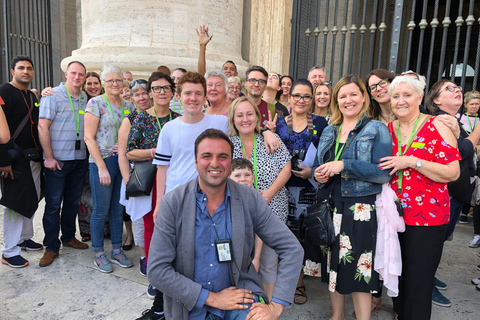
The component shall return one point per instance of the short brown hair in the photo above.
(433, 94)
(241, 163)
(192, 77)
(213, 134)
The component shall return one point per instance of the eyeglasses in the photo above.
(298, 97)
(273, 76)
(234, 88)
(449, 88)
(158, 89)
(382, 84)
(139, 81)
(253, 81)
(410, 74)
(110, 82)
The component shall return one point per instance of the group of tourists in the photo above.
(232, 177)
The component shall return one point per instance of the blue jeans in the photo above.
(238, 314)
(62, 185)
(106, 203)
(456, 207)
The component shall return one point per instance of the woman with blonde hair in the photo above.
(347, 170)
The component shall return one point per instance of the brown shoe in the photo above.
(47, 258)
(76, 244)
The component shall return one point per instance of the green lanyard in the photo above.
(80, 111)
(338, 153)
(470, 124)
(255, 178)
(158, 122)
(288, 107)
(174, 108)
(400, 153)
(111, 112)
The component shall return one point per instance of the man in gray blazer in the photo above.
(203, 244)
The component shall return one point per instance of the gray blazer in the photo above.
(171, 256)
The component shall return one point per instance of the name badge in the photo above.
(418, 145)
(224, 253)
(81, 112)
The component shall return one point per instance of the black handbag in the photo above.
(319, 225)
(141, 179)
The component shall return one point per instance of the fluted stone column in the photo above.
(140, 35)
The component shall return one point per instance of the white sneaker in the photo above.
(476, 281)
(475, 243)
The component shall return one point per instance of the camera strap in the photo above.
(289, 121)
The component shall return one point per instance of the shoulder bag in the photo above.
(141, 179)
(318, 221)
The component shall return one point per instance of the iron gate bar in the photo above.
(470, 20)
(477, 60)
(423, 24)
(316, 32)
(7, 57)
(353, 30)
(382, 29)
(308, 32)
(363, 29)
(434, 23)
(458, 22)
(446, 23)
(372, 29)
(343, 31)
(325, 34)
(396, 28)
(411, 27)
(334, 33)
(295, 45)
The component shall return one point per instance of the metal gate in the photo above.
(26, 30)
(436, 38)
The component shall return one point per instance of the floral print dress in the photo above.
(350, 257)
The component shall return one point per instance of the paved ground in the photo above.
(72, 288)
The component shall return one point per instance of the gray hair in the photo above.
(217, 73)
(235, 79)
(317, 67)
(137, 86)
(109, 69)
(418, 85)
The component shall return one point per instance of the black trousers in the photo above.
(476, 219)
(421, 253)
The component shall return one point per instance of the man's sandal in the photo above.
(300, 293)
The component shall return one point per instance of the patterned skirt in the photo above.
(351, 256)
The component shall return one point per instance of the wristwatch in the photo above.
(419, 164)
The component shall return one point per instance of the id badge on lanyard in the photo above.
(224, 250)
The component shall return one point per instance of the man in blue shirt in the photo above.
(203, 244)
(61, 134)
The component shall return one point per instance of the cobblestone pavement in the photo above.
(72, 288)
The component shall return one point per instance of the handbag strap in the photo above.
(20, 127)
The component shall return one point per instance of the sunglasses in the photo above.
(139, 81)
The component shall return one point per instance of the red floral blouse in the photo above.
(425, 202)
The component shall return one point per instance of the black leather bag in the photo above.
(141, 179)
(319, 225)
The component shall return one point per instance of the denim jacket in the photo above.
(361, 175)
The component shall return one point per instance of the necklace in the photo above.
(386, 119)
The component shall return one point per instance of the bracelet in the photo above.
(151, 153)
(264, 129)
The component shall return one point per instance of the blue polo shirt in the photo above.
(63, 130)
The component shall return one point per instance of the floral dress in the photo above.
(425, 202)
(350, 258)
(145, 130)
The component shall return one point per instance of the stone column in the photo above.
(140, 35)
